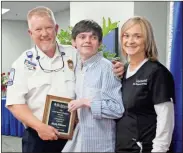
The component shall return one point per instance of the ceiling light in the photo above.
(4, 10)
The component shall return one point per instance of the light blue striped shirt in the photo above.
(95, 131)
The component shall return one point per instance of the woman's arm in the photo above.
(165, 126)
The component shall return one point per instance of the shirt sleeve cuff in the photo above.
(158, 150)
(96, 107)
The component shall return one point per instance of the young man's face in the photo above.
(43, 32)
(87, 44)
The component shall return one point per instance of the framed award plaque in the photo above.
(56, 114)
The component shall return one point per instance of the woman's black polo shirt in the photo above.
(151, 84)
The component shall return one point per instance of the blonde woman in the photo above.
(147, 91)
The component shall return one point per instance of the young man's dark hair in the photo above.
(87, 26)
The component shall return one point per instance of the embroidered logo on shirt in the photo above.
(11, 77)
(70, 64)
(140, 82)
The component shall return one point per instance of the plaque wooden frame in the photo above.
(46, 115)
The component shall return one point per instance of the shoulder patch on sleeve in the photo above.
(11, 77)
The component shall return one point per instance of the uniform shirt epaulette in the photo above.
(67, 49)
(20, 59)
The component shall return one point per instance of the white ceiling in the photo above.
(19, 10)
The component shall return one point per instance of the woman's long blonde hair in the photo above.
(150, 45)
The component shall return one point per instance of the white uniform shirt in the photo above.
(31, 86)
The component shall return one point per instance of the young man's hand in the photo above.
(75, 104)
(118, 68)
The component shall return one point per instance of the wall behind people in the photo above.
(157, 14)
(15, 40)
(63, 19)
(117, 11)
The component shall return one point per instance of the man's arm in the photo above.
(16, 90)
(24, 114)
(118, 68)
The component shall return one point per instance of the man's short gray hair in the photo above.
(41, 11)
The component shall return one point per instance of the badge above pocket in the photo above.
(30, 65)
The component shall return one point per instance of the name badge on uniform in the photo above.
(30, 65)
(70, 64)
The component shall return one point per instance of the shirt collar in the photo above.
(89, 62)
(43, 55)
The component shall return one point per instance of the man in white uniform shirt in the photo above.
(41, 70)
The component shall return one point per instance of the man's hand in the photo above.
(75, 104)
(118, 68)
(47, 132)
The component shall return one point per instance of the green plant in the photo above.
(65, 38)
(106, 28)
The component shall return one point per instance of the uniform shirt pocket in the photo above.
(38, 82)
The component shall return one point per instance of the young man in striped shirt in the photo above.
(98, 94)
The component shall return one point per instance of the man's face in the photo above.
(43, 32)
(87, 44)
